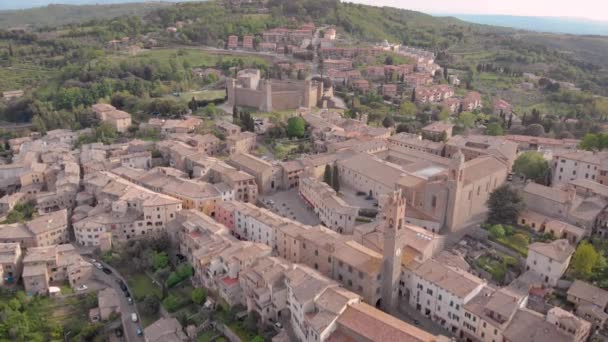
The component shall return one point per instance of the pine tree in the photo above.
(414, 95)
(445, 72)
(523, 119)
(327, 175)
(193, 104)
(510, 121)
(235, 114)
(335, 179)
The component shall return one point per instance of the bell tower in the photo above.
(393, 215)
(455, 182)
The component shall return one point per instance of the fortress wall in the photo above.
(249, 97)
(282, 100)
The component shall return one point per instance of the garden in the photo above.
(497, 265)
(510, 237)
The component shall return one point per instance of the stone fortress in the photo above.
(250, 90)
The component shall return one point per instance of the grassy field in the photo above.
(201, 95)
(195, 57)
(23, 76)
(141, 285)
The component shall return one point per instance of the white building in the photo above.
(570, 165)
(440, 292)
(549, 260)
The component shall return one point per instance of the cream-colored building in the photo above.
(267, 176)
(332, 210)
(549, 260)
(241, 142)
(53, 264)
(118, 119)
(11, 263)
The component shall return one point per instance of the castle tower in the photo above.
(266, 88)
(393, 215)
(455, 183)
(231, 91)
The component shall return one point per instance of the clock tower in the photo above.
(393, 215)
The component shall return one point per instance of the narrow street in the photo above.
(126, 309)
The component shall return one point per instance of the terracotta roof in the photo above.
(372, 324)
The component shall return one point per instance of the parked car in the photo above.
(130, 300)
(81, 287)
(278, 325)
(106, 270)
(121, 284)
(118, 332)
(134, 317)
(509, 177)
(97, 265)
(139, 332)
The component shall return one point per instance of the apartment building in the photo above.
(332, 210)
(125, 209)
(590, 302)
(45, 230)
(43, 266)
(489, 313)
(11, 263)
(118, 119)
(267, 176)
(243, 186)
(549, 260)
(241, 142)
(440, 292)
(264, 289)
(572, 165)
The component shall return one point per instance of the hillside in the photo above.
(541, 24)
(55, 15)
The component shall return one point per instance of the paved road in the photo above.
(129, 327)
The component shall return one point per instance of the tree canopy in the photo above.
(505, 204)
(533, 166)
(584, 260)
(296, 127)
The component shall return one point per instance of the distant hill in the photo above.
(54, 15)
(541, 24)
(24, 4)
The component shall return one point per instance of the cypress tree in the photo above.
(327, 175)
(335, 179)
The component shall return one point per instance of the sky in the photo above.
(590, 9)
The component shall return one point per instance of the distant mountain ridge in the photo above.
(579, 26)
(25, 4)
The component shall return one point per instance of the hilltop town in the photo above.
(297, 184)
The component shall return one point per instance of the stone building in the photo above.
(250, 90)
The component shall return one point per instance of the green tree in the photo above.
(584, 260)
(388, 122)
(198, 295)
(505, 204)
(467, 119)
(150, 305)
(327, 174)
(590, 142)
(161, 260)
(533, 166)
(257, 338)
(444, 114)
(408, 109)
(494, 129)
(535, 130)
(296, 127)
(335, 179)
(497, 231)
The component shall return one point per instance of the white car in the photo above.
(278, 325)
(98, 265)
(82, 287)
(134, 317)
